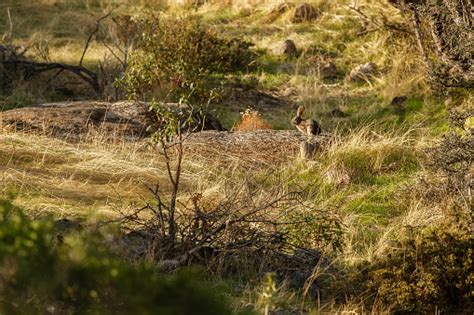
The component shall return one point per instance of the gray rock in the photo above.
(72, 120)
(363, 73)
(328, 71)
(304, 12)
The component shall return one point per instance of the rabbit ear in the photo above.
(300, 111)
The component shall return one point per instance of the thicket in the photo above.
(178, 56)
(81, 275)
(443, 31)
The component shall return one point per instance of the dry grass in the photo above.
(94, 178)
(250, 121)
(98, 174)
(59, 177)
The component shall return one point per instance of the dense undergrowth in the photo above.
(42, 271)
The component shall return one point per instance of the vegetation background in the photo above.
(383, 210)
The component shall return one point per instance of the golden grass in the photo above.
(251, 120)
(55, 175)
(94, 178)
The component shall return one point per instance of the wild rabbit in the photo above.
(308, 126)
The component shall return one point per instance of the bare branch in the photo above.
(91, 35)
(32, 68)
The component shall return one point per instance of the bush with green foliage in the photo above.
(178, 56)
(82, 276)
(432, 271)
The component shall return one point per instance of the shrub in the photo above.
(251, 120)
(177, 57)
(453, 158)
(81, 276)
(434, 271)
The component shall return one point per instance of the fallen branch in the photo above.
(32, 68)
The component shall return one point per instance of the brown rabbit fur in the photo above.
(308, 126)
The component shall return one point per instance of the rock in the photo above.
(73, 120)
(304, 12)
(328, 71)
(363, 73)
(253, 148)
(336, 112)
(289, 48)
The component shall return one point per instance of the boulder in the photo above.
(286, 48)
(73, 120)
(363, 73)
(304, 12)
(328, 71)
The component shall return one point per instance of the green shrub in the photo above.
(177, 56)
(432, 271)
(81, 276)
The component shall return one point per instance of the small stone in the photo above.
(328, 71)
(304, 12)
(363, 73)
(290, 49)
